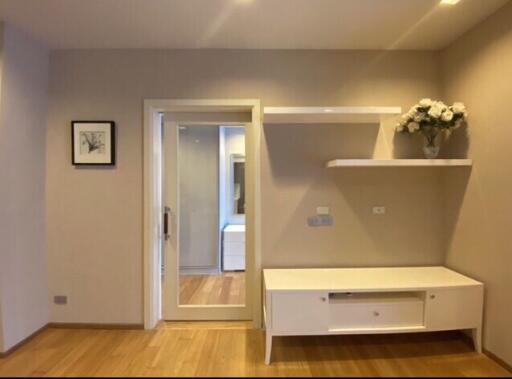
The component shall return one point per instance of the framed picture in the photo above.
(93, 142)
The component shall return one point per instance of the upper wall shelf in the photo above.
(399, 163)
(333, 115)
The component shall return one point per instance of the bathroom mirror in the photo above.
(238, 183)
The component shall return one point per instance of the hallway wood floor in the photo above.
(234, 349)
(227, 288)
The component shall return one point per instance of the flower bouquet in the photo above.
(431, 118)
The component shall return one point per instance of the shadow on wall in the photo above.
(295, 150)
(457, 145)
(411, 145)
(407, 146)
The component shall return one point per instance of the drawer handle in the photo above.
(432, 296)
(323, 298)
(376, 314)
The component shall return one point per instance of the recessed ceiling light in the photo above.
(449, 2)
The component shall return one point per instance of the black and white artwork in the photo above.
(93, 142)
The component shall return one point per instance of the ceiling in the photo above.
(246, 24)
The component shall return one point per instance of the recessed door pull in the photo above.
(167, 212)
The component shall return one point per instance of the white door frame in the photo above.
(152, 205)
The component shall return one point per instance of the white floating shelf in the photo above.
(332, 115)
(399, 163)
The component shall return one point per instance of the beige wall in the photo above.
(23, 261)
(478, 71)
(95, 215)
(295, 182)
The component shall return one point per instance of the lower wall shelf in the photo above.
(399, 163)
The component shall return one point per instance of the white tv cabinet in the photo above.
(370, 300)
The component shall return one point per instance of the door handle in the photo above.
(167, 212)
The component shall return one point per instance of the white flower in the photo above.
(419, 117)
(435, 111)
(459, 108)
(413, 126)
(412, 112)
(425, 103)
(441, 105)
(447, 115)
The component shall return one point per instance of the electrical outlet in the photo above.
(380, 210)
(60, 300)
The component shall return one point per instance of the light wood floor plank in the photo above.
(227, 288)
(234, 349)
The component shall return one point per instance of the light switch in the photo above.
(322, 211)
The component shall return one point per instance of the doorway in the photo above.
(210, 212)
(209, 220)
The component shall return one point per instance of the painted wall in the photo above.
(198, 150)
(478, 70)
(23, 261)
(95, 215)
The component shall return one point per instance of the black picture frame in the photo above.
(111, 128)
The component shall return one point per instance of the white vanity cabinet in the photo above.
(233, 248)
(370, 300)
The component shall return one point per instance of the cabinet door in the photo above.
(300, 312)
(454, 308)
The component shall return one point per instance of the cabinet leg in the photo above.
(268, 347)
(477, 339)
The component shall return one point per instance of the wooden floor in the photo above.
(234, 349)
(227, 288)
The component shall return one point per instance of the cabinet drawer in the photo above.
(234, 262)
(234, 236)
(370, 314)
(300, 312)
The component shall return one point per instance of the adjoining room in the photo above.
(212, 208)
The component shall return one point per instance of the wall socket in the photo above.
(60, 300)
(379, 210)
